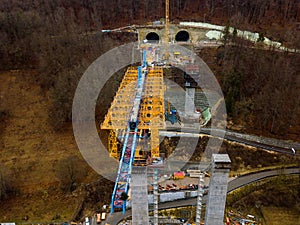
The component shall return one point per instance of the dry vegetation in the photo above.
(243, 158)
(37, 163)
(279, 216)
(278, 197)
(260, 88)
(30, 149)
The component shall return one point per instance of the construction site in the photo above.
(149, 112)
(145, 104)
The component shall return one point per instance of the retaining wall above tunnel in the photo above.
(177, 33)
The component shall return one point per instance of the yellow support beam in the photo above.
(154, 143)
(113, 144)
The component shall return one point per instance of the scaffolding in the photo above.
(151, 114)
(135, 116)
(199, 199)
(155, 197)
(113, 144)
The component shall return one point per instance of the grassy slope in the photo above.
(29, 151)
(269, 215)
(280, 216)
(272, 201)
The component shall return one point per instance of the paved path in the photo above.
(271, 144)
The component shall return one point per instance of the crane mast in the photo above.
(166, 53)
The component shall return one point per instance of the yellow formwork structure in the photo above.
(113, 144)
(152, 106)
(154, 143)
(151, 116)
(118, 113)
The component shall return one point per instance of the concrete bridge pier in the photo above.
(215, 206)
(189, 101)
(139, 193)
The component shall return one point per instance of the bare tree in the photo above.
(5, 186)
(70, 172)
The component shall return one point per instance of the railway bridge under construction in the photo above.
(140, 109)
(137, 114)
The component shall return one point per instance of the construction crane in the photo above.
(134, 119)
(166, 52)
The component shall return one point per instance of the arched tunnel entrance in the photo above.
(182, 36)
(152, 37)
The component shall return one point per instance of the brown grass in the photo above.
(40, 206)
(30, 149)
(280, 216)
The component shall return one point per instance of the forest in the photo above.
(28, 26)
(41, 35)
